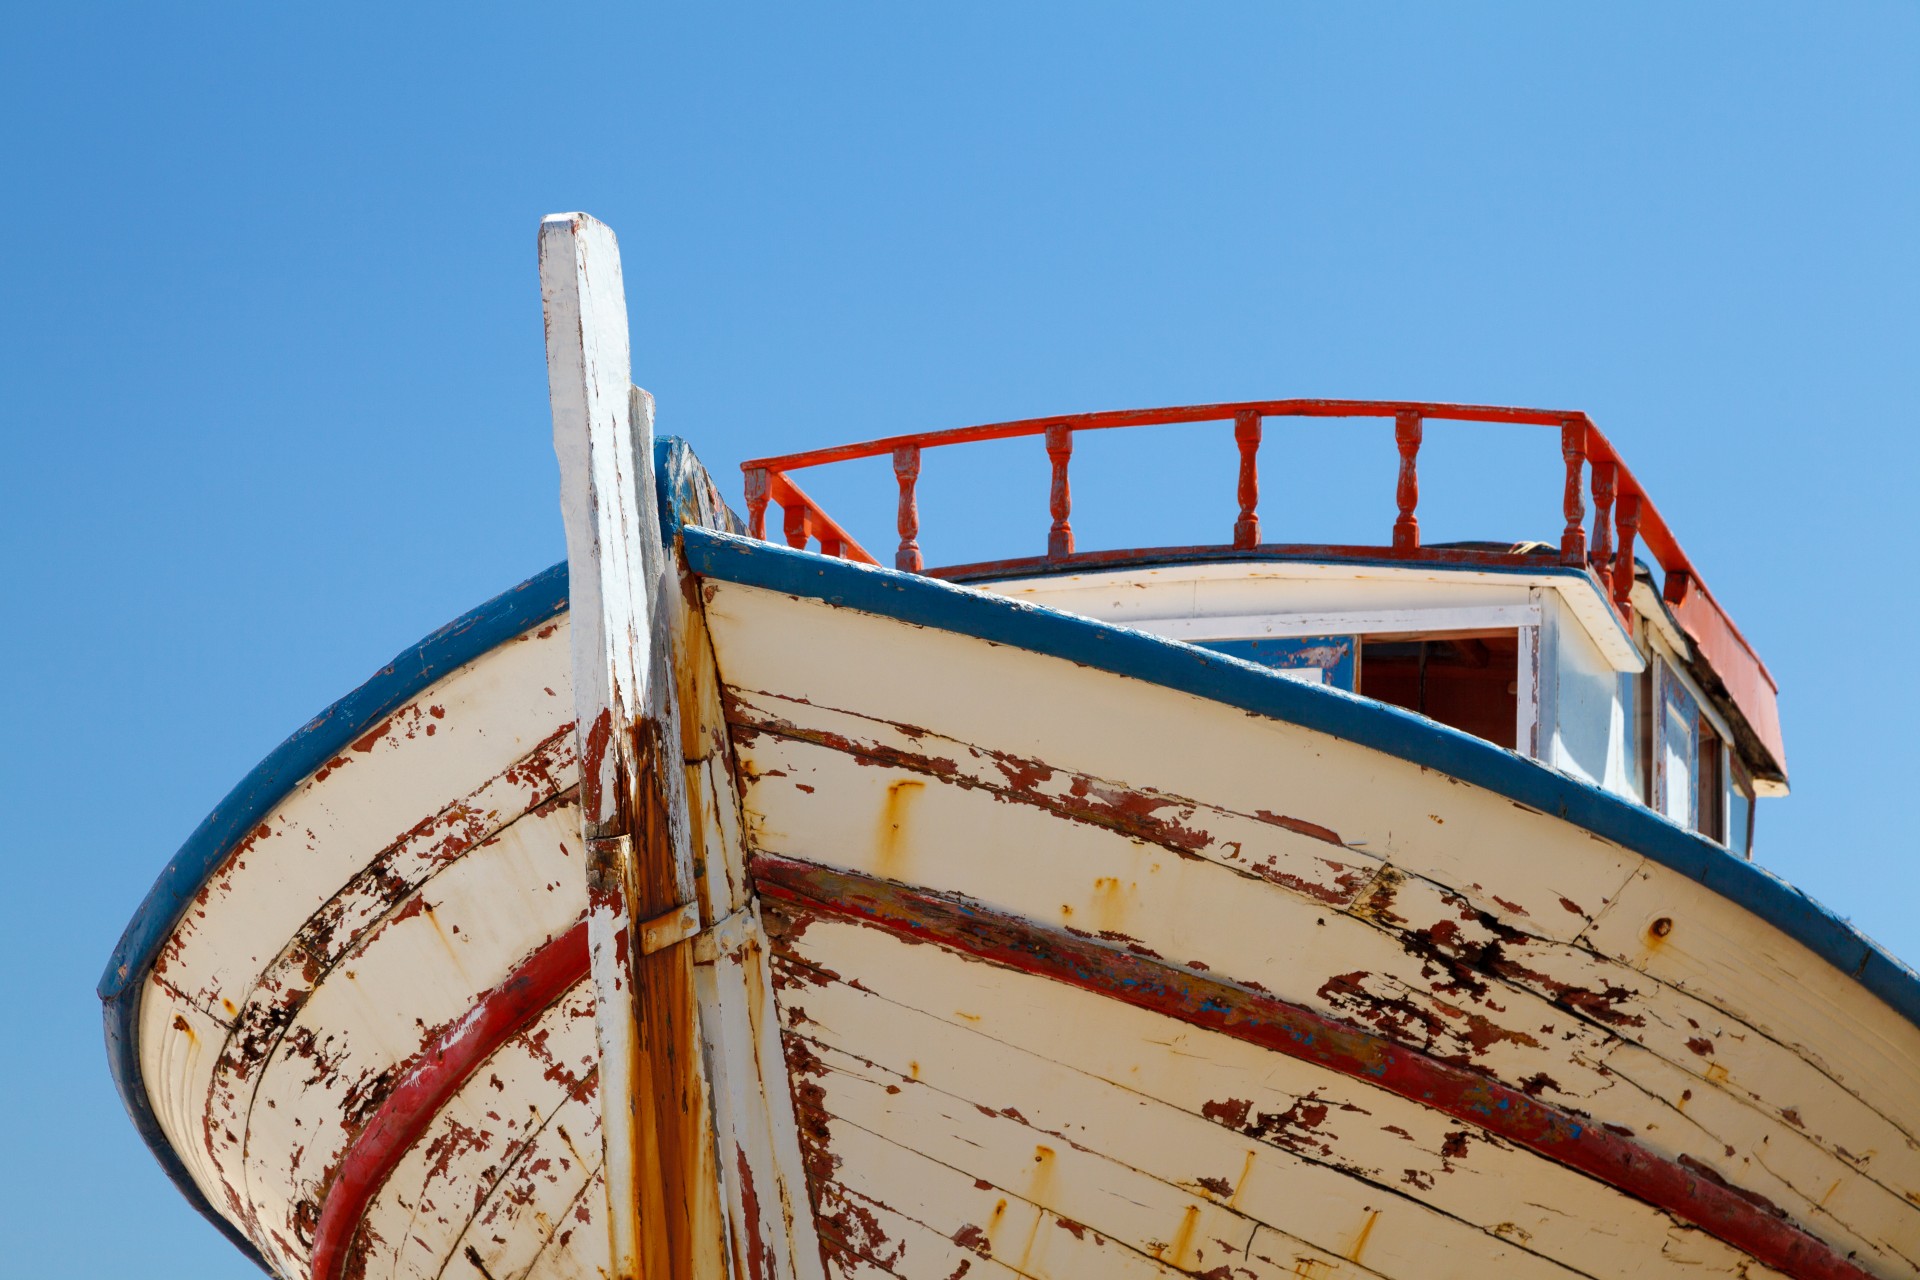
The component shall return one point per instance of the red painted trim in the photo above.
(1550, 1132)
(1465, 558)
(434, 1075)
(1183, 413)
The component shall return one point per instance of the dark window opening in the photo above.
(1741, 807)
(1468, 681)
(1710, 803)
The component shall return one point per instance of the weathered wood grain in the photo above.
(1172, 1100)
(1466, 904)
(663, 1186)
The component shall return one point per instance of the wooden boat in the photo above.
(710, 907)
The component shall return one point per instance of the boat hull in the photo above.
(1063, 922)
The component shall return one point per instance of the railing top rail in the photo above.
(1173, 415)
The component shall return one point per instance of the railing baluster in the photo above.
(1573, 446)
(1060, 500)
(1246, 434)
(906, 469)
(759, 488)
(1604, 474)
(1406, 528)
(799, 524)
(832, 547)
(1627, 525)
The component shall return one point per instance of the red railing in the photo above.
(1622, 513)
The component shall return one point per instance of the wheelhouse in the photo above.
(1620, 671)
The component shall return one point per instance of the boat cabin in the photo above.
(1578, 654)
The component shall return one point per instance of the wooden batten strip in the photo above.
(435, 1074)
(1260, 1019)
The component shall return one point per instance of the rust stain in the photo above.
(1110, 904)
(1040, 1196)
(1360, 1241)
(1174, 1252)
(890, 843)
(1246, 1172)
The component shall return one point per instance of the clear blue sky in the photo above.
(275, 404)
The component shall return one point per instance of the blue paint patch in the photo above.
(965, 611)
(1332, 656)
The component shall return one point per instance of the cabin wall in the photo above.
(1144, 598)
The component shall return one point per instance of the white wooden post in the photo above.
(703, 1167)
(664, 1219)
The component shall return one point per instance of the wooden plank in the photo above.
(770, 1229)
(1540, 889)
(507, 1152)
(1769, 981)
(1018, 705)
(575, 1245)
(1076, 876)
(1189, 1231)
(1036, 1190)
(477, 723)
(355, 1034)
(665, 1219)
(1183, 1096)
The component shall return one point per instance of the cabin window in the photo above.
(1710, 787)
(1325, 660)
(1739, 807)
(1676, 755)
(1697, 781)
(1469, 680)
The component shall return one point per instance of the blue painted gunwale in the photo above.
(967, 611)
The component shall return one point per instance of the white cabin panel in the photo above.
(1586, 716)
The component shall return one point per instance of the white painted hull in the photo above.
(960, 1115)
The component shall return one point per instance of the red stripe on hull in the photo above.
(436, 1073)
(1274, 1024)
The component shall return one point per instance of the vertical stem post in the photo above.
(759, 490)
(1627, 526)
(1406, 527)
(663, 1218)
(906, 470)
(1573, 447)
(1604, 477)
(1060, 499)
(1246, 434)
